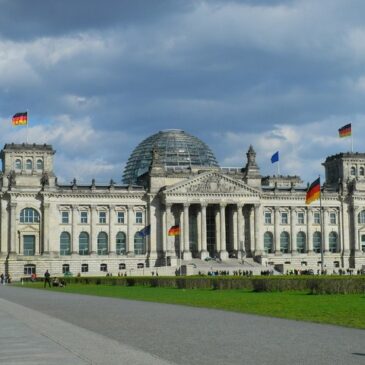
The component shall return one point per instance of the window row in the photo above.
(301, 241)
(30, 269)
(18, 165)
(102, 217)
(353, 171)
(30, 215)
(284, 218)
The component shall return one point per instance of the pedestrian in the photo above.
(47, 278)
(2, 278)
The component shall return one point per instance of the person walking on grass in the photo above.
(47, 278)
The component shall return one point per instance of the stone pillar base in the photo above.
(204, 255)
(223, 255)
(173, 261)
(187, 255)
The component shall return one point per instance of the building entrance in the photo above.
(211, 232)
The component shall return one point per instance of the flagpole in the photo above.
(321, 217)
(279, 168)
(352, 141)
(27, 126)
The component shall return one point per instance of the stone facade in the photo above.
(234, 214)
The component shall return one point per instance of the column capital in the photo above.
(186, 205)
(222, 205)
(46, 205)
(13, 204)
(74, 207)
(93, 206)
(130, 207)
(203, 204)
(168, 205)
(239, 205)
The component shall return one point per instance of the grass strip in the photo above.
(343, 310)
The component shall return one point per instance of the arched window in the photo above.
(353, 171)
(102, 243)
(301, 244)
(83, 243)
(65, 244)
(29, 215)
(361, 217)
(333, 242)
(362, 171)
(284, 242)
(18, 164)
(39, 164)
(29, 164)
(317, 239)
(268, 242)
(139, 244)
(65, 268)
(121, 246)
(29, 269)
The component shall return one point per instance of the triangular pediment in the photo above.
(212, 183)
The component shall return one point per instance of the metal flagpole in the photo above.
(27, 126)
(278, 167)
(321, 217)
(352, 141)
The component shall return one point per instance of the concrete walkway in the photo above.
(49, 327)
(29, 337)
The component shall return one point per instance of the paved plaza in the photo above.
(42, 327)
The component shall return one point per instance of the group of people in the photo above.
(5, 279)
(55, 282)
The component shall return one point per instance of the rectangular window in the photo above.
(139, 217)
(83, 217)
(267, 217)
(300, 218)
(84, 268)
(121, 217)
(317, 218)
(333, 218)
(102, 217)
(284, 218)
(65, 217)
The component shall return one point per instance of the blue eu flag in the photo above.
(275, 157)
(146, 231)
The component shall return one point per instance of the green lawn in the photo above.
(344, 310)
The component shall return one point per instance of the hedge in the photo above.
(313, 285)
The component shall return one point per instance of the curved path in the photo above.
(113, 331)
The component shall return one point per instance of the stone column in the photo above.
(199, 230)
(345, 228)
(74, 238)
(252, 229)
(325, 230)
(293, 237)
(277, 230)
(240, 231)
(259, 247)
(152, 238)
(309, 230)
(5, 219)
(217, 231)
(112, 233)
(187, 253)
(163, 252)
(182, 233)
(13, 234)
(169, 247)
(46, 228)
(130, 233)
(93, 238)
(223, 255)
(235, 230)
(356, 211)
(204, 250)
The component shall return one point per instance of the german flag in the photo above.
(20, 119)
(174, 231)
(313, 192)
(345, 131)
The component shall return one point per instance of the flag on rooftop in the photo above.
(146, 231)
(275, 157)
(345, 131)
(314, 192)
(174, 231)
(20, 119)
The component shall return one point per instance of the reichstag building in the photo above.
(172, 179)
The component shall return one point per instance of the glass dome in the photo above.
(175, 148)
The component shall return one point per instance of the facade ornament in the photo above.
(213, 184)
(111, 184)
(45, 179)
(74, 184)
(93, 187)
(11, 179)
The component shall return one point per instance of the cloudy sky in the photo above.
(97, 77)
